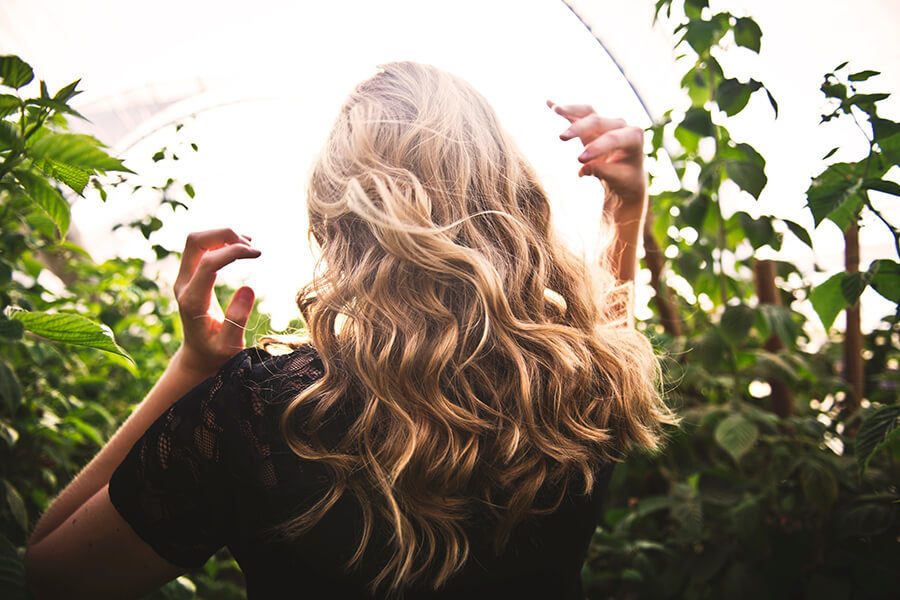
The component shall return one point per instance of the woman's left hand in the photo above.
(613, 152)
(211, 337)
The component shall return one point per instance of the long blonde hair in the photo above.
(486, 366)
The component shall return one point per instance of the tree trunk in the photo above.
(655, 260)
(767, 292)
(853, 360)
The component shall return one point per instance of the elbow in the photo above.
(35, 572)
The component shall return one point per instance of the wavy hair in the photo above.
(489, 375)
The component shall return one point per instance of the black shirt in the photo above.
(213, 471)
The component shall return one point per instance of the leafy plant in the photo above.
(773, 487)
(60, 398)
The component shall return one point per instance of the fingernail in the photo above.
(585, 156)
(566, 135)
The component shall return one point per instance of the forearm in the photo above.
(627, 219)
(174, 383)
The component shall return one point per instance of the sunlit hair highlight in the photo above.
(488, 369)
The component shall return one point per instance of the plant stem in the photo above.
(894, 231)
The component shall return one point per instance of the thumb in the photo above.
(236, 316)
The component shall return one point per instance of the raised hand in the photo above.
(211, 337)
(613, 152)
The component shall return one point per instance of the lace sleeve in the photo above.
(172, 487)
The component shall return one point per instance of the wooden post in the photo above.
(854, 373)
(655, 260)
(767, 292)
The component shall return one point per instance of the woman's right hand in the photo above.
(211, 337)
(613, 152)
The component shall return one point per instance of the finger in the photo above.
(572, 112)
(628, 140)
(196, 294)
(236, 316)
(199, 242)
(590, 127)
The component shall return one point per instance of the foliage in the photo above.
(60, 398)
(770, 488)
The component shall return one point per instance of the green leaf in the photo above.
(15, 72)
(8, 104)
(189, 190)
(779, 320)
(10, 329)
(10, 390)
(12, 571)
(697, 86)
(181, 588)
(159, 155)
(745, 166)
(863, 101)
(747, 33)
(834, 195)
(832, 89)
(68, 92)
(863, 75)
(736, 435)
(733, 95)
(772, 102)
(76, 179)
(831, 153)
(8, 433)
(47, 198)
(60, 107)
(701, 35)
(76, 150)
(71, 329)
(771, 362)
(886, 279)
(819, 485)
(875, 433)
(759, 231)
(853, 285)
(697, 120)
(828, 299)
(16, 505)
(799, 231)
(883, 129)
(85, 429)
(9, 135)
(694, 8)
(693, 212)
(882, 185)
(749, 176)
(865, 520)
(736, 322)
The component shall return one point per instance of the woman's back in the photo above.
(214, 471)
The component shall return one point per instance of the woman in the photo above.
(449, 432)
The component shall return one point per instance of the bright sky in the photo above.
(267, 83)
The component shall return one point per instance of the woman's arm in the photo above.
(81, 531)
(614, 153)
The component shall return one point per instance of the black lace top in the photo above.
(212, 471)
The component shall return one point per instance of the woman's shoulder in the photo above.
(271, 374)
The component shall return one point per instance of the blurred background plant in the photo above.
(61, 397)
(782, 480)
